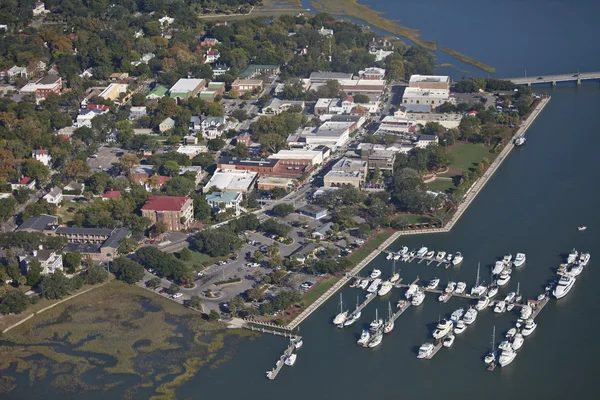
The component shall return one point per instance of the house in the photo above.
(246, 85)
(86, 116)
(176, 212)
(118, 76)
(245, 139)
(39, 223)
(195, 124)
(114, 92)
(17, 72)
(166, 21)
(378, 156)
(100, 244)
(111, 194)
(426, 140)
(222, 201)
(137, 112)
(232, 181)
(220, 69)
(276, 106)
(190, 140)
(66, 132)
(208, 42)
(312, 211)
(88, 73)
(42, 156)
(166, 124)
(195, 170)
(24, 182)
(43, 87)
(211, 56)
(185, 88)
(50, 262)
(39, 9)
(381, 49)
(54, 196)
(158, 92)
(322, 231)
(74, 188)
(325, 32)
(213, 127)
(254, 70)
(372, 73)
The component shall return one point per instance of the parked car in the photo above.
(177, 295)
(163, 290)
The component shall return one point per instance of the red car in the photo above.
(182, 284)
(163, 290)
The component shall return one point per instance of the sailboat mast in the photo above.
(477, 280)
(493, 337)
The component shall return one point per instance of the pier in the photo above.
(554, 79)
(437, 346)
(281, 362)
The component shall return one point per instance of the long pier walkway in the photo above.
(553, 79)
(281, 362)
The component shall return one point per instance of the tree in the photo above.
(127, 270)
(395, 70)
(283, 209)
(240, 150)
(185, 254)
(173, 289)
(7, 207)
(170, 168)
(256, 293)
(469, 127)
(153, 283)
(98, 182)
(15, 302)
(217, 242)
(216, 144)
(202, 209)
(76, 169)
(361, 98)
(240, 115)
(203, 159)
(72, 261)
(35, 170)
(95, 274)
(34, 272)
(128, 162)
(127, 246)
(178, 186)
(213, 316)
(54, 286)
(195, 302)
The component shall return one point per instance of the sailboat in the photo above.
(389, 324)
(478, 290)
(491, 357)
(354, 317)
(395, 275)
(376, 323)
(341, 317)
(519, 296)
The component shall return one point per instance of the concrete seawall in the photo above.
(466, 202)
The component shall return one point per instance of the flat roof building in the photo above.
(186, 88)
(430, 82)
(322, 77)
(313, 211)
(232, 181)
(176, 212)
(339, 178)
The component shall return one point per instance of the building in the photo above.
(24, 182)
(208, 42)
(313, 211)
(259, 165)
(350, 165)
(114, 91)
(362, 85)
(176, 212)
(195, 170)
(331, 134)
(213, 127)
(378, 156)
(211, 56)
(74, 188)
(185, 89)
(111, 194)
(339, 178)
(322, 231)
(192, 151)
(276, 106)
(323, 77)
(39, 223)
(397, 123)
(424, 100)
(222, 201)
(86, 115)
(372, 73)
(98, 243)
(253, 70)
(42, 156)
(220, 69)
(271, 182)
(43, 87)
(158, 92)
(166, 124)
(429, 82)
(311, 157)
(325, 32)
(50, 262)
(137, 112)
(380, 48)
(447, 120)
(217, 87)
(229, 180)
(118, 76)
(245, 139)
(54, 196)
(190, 140)
(426, 140)
(246, 85)
(39, 9)
(322, 106)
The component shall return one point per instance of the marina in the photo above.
(283, 360)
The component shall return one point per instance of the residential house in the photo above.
(158, 92)
(322, 231)
(137, 112)
(426, 140)
(246, 85)
(166, 21)
(276, 106)
(381, 49)
(176, 212)
(114, 92)
(186, 88)
(50, 262)
(88, 73)
(166, 124)
(208, 42)
(220, 69)
(24, 182)
(213, 127)
(325, 32)
(42, 156)
(17, 72)
(312, 211)
(190, 140)
(118, 76)
(245, 139)
(39, 9)
(222, 201)
(86, 116)
(111, 194)
(195, 124)
(74, 188)
(211, 56)
(372, 73)
(54, 196)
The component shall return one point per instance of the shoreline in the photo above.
(465, 203)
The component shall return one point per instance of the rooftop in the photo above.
(66, 230)
(111, 194)
(312, 209)
(186, 85)
(117, 236)
(231, 180)
(324, 76)
(346, 163)
(429, 78)
(37, 223)
(260, 162)
(165, 203)
(343, 174)
(225, 197)
(159, 90)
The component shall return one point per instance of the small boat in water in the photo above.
(376, 339)
(451, 287)
(298, 343)
(457, 314)
(529, 327)
(448, 340)
(433, 283)
(430, 255)
(388, 326)
(425, 350)
(482, 303)
(449, 257)
(510, 297)
(507, 259)
(491, 356)
(363, 284)
(375, 274)
(457, 259)
(510, 306)
(418, 298)
(460, 287)
(404, 250)
(511, 332)
(582, 228)
(444, 297)
(498, 268)
(405, 257)
(397, 256)
(519, 259)
(291, 359)
(500, 307)
(520, 141)
(390, 255)
(492, 290)
(364, 337)
(460, 327)
(422, 251)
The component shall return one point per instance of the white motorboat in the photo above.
(492, 290)
(412, 289)
(355, 282)
(572, 257)
(511, 332)
(364, 337)
(519, 259)
(503, 278)
(404, 250)
(575, 269)
(457, 314)
(500, 307)
(491, 356)
(433, 283)
(375, 274)
(460, 327)
(448, 340)
(520, 141)
(498, 267)
(542, 296)
(483, 302)
(363, 284)
(405, 257)
(510, 306)
(451, 287)
(443, 328)
(520, 322)
(507, 259)
(526, 311)
(479, 289)
(565, 284)
(449, 257)
(506, 357)
(460, 287)
(470, 316)
(422, 251)
(505, 344)
(397, 256)
(425, 350)
(529, 327)
(510, 297)
(342, 315)
(291, 359)
(298, 343)
(444, 297)
(418, 298)
(376, 340)
(376, 324)
(584, 259)
(457, 259)
(412, 254)
(518, 294)
(582, 228)
(440, 256)
(385, 288)
(389, 256)
(374, 286)
(388, 326)
(517, 341)
(430, 255)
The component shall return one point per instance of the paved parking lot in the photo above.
(474, 98)
(107, 156)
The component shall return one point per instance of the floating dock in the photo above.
(437, 346)
(272, 374)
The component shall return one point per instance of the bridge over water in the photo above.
(553, 79)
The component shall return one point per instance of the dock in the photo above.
(401, 310)
(280, 363)
(362, 305)
(539, 307)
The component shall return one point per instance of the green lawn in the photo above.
(467, 155)
(440, 185)
(68, 211)
(417, 219)
(373, 243)
(317, 291)
(203, 260)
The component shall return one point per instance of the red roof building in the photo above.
(111, 194)
(176, 212)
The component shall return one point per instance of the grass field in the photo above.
(417, 219)
(317, 291)
(368, 247)
(440, 185)
(67, 212)
(467, 155)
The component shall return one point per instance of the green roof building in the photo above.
(158, 92)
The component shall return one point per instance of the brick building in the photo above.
(176, 212)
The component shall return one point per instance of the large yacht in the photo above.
(290, 360)
(412, 289)
(519, 259)
(460, 287)
(460, 327)
(457, 314)
(482, 303)
(457, 259)
(507, 259)
(364, 337)
(375, 274)
(374, 287)
(498, 267)
(529, 327)
(418, 298)
(500, 307)
(517, 341)
(443, 328)
(572, 257)
(506, 357)
(503, 278)
(576, 269)
(433, 283)
(565, 283)
(526, 312)
(422, 251)
(385, 288)
(425, 350)
(470, 316)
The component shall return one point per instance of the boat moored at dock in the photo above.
(564, 286)
(457, 259)
(375, 274)
(519, 259)
(442, 329)
(364, 338)
(529, 327)
(426, 350)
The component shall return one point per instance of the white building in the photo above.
(137, 112)
(325, 32)
(49, 261)
(86, 116)
(276, 106)
(315, 157)
(213, 127)
(166, 21)
(192, 151)
(232, 181)
(426, 99)
(222, 201)
(372, 73)
(426, 140)
(42, 156)
(447, 120)
(54, 196)
(430, 82)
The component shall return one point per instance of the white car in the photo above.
(177, 295)
(254, 265)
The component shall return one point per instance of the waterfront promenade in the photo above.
(466, 202)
